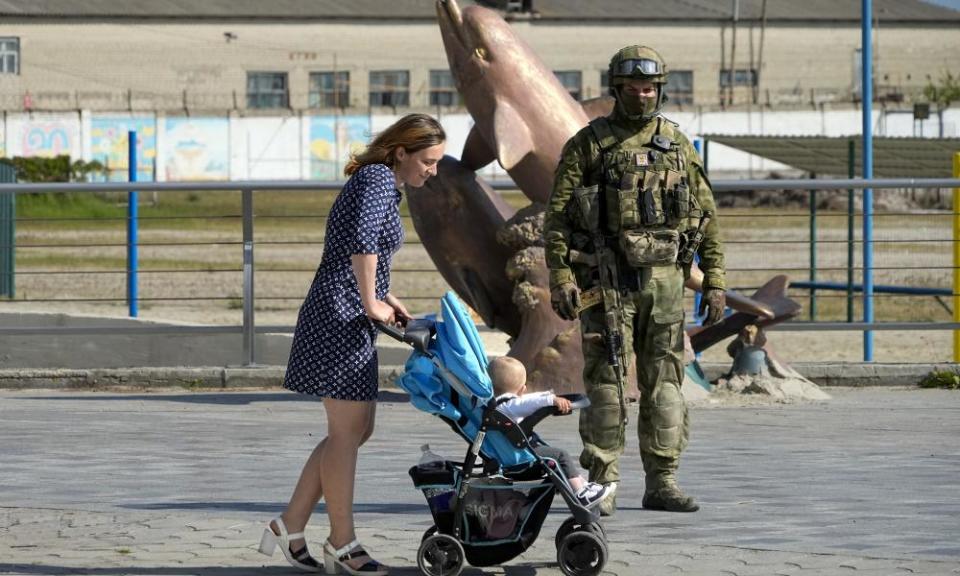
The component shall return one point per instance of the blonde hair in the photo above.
(413, 133)
(508, 375)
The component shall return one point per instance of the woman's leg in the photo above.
(305, 496)
(350, 424)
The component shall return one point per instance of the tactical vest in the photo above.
(646, 197)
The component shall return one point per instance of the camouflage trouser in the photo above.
(653, 331)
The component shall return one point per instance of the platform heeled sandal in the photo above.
(335, 560)
(300, 559)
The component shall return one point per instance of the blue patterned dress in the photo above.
(333, 353)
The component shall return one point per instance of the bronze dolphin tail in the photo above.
(772, 295)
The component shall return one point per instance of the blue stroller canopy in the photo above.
(450, 380)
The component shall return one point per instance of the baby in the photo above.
(509, 384)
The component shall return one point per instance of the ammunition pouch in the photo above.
(646, 248)
(584, 208)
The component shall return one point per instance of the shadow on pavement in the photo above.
(264, 507)
(222, 398)
(51, 570)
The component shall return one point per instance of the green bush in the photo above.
(55, 169)
(947, 379)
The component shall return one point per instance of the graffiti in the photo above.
(197, 149)
(46, 140)
(108, 139)
(332, 140)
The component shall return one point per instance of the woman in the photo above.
(333, 354)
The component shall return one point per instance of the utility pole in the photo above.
(733, 52)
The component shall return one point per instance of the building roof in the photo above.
(824, 155)
(782, 11)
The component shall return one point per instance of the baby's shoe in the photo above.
(593, 493)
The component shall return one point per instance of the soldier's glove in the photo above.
(565, 299)
(716, 300)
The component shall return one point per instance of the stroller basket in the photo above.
(439, 483)
(500, 518)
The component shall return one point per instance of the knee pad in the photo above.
(663, 426)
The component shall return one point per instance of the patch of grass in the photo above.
(946, 379)
(51, 205)
(52, 261)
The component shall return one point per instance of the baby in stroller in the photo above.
(489, 507)
(510, 385)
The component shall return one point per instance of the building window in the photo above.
(571, 81)
(9, 55)
(604, 82)
(267, 90)
(390, 88)
(742, 77)
(329, 90)
(680, 87)
(443, 92)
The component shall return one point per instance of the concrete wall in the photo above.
(234, 147)
(172, 66)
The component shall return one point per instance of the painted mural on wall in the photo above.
(196, 149)
(108, 144)
(45, 135)
(332, 139)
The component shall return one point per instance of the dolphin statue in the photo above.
(523, 114)
(523, 117)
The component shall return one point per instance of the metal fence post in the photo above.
(132, 215)
(8, 233)
(249, 333)
(866, 90)
(698, 296)
(813, 254)
(851, 212)
(956, 257)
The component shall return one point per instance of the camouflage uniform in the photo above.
(671, 175)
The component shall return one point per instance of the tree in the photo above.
(943, 94)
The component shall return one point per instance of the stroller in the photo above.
(490, 507)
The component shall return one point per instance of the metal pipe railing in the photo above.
(249, 328)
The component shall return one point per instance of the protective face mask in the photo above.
(637, 106)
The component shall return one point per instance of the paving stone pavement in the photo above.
(180, 483)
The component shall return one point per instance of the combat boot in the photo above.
(662, 492)
(669, 499)
(608, 506)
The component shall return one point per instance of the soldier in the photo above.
(630, 207)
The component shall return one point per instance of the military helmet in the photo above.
(636, 62)
(640, 62)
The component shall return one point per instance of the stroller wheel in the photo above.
(429, 532)
(582, 553)
(440, 555)
(570, 524)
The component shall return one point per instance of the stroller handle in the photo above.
(416, 333)
(389, 329)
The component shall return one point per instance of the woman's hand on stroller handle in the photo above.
(401, 315)
(380, 311)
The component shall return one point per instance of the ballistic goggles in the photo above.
(638, 67)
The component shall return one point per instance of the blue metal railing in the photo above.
(247, 216)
